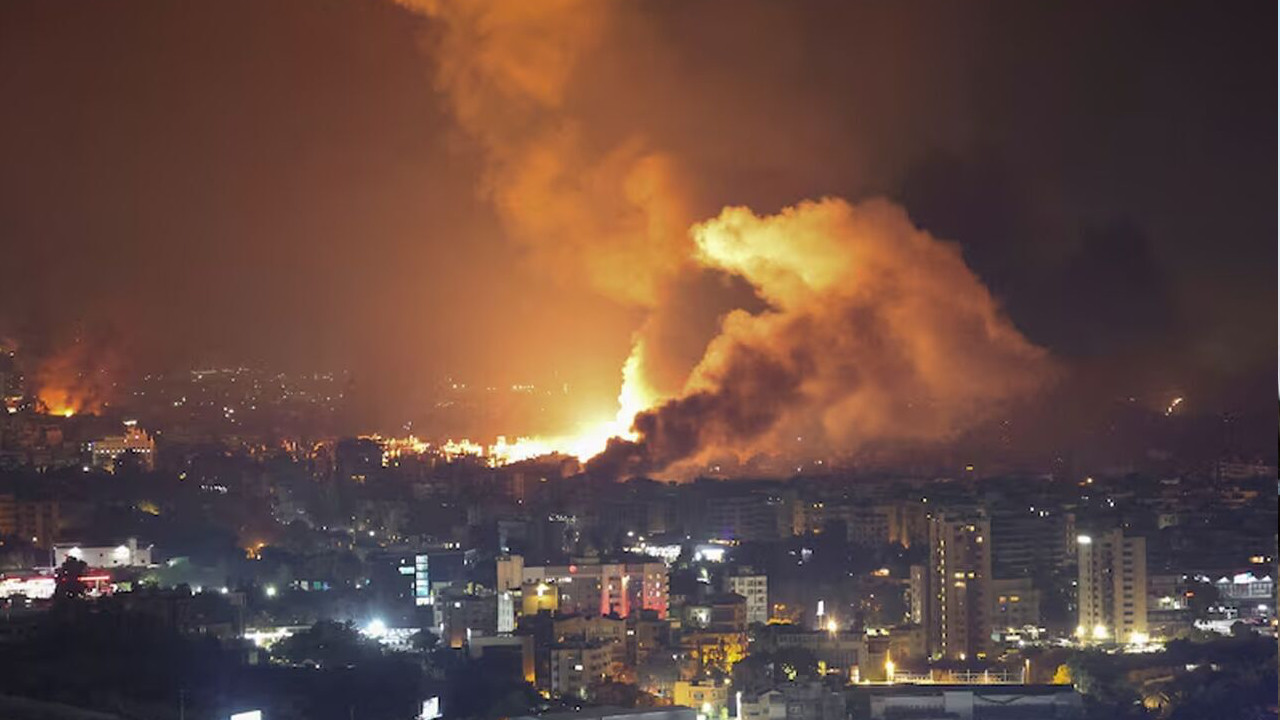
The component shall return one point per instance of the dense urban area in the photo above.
(179, 562)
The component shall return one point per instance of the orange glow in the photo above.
(59, 401)
(634, 397)
(72, 381)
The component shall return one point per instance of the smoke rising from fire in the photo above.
(76, 378)
(874, 332)
(616, 217)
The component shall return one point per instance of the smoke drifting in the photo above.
(615, 217)
(875, 333)
(77, 377)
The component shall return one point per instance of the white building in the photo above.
(1248, 595)
(755, 588)
(127, 555)
(963, 702)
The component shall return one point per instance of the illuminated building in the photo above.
(613, 713)
(538, 596)
(135, 442)
(1112, 587)
(510, 572)
(755, 588)
(605, 588)
(960, 585)
(707, 697)
(27, 585)
(918, 594)
(1249, 595)
(128, 554)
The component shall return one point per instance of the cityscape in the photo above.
(592, 360)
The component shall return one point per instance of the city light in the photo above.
(376, 628)
(547, 357)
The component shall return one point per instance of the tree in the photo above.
(69, 579)
(424, 641)
(328, 644)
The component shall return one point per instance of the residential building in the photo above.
(604, 588)
(1112, 587)
(1015, 604)
(135, 443)
(755, 588)
(960, 584)
(577, 666)
(710, 699)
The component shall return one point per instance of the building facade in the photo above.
(1112, 587)
(960, 585)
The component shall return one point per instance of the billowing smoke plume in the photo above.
(875, 333)
(613, 217)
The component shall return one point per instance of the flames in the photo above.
(71, 382)
(873, 332)
(590, 440)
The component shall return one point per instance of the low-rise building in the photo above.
(975, 702)
(127, 554)
(578, 666)
(708, 698)
(106, 452)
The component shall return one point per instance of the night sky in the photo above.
(287, 183)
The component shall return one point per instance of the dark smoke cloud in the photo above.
(875, 333)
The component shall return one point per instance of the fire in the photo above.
(74, 380)
(634, 397)
(61, 401)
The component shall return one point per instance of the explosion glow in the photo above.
(589, 441)
(874, 333)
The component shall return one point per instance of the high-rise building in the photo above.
(918, 595)
(960, 585)
(1028, 541)
(1112, 587)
